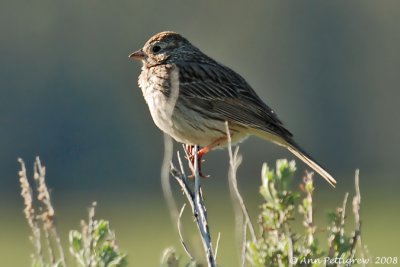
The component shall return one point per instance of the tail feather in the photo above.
(298, 152)
(312, 163)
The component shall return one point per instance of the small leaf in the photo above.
(75, 240)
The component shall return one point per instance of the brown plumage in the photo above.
(191, 96)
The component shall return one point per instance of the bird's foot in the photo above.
(191, 157)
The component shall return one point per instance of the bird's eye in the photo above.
(156, 48)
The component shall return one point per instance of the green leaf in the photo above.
(75, 240)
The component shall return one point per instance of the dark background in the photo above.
(69, 94)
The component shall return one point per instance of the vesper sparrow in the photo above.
(191, 96)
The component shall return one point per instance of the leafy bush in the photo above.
(275, 245)
(93, 246)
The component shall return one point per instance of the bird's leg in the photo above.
(208, 148)
(201, 153)
(190, 151)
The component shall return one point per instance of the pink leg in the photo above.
(201, 153)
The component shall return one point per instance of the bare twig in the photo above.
(181, 164)
(168, 147)
(165, 181)
(180, 233)
(217, 245)
(191, 166)
(356, 212)
(195, 198)
(343, 215)
(234, 162)
(243, 249)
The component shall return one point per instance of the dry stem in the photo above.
(196, 201)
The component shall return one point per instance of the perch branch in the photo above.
(196, 201)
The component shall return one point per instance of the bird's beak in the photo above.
(138, 55)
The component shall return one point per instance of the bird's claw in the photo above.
(190, 156)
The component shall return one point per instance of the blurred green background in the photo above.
(69, 94)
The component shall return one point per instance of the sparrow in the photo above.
(191, 97)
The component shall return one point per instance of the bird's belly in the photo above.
(158, 107)
(186, 125)
(173, 124)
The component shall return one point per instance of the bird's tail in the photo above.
(298, 152)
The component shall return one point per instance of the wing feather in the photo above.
(218, 90)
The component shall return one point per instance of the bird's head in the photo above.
(165, 47)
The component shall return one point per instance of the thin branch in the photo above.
(197, 178)
(181, 164)
(165, 181)
(234, 161)
(243, 250)
(356, 212)
(217, 245)
(191, 166)
(180, 233)
(343, 215)
(195, 198)
(168, 146)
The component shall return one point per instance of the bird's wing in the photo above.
(221, 93)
